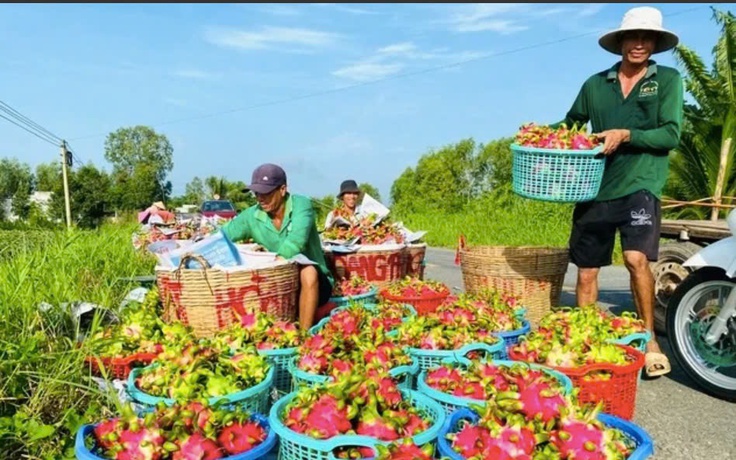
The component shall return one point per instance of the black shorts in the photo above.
(325, 288)
(594, 224)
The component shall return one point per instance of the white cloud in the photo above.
(368, 71)
(269, 37)
(196, 74)
(398, 48)
(345, 8)
(502, 18)
(591, 9)
(392, 59)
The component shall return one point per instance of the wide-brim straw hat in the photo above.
(640, 18)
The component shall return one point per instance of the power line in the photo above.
(388, 78)
(35, 133)
(19, 116)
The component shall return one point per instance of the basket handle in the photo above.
(450, 423)
(352, 441)
(198, 258)
(462, 352)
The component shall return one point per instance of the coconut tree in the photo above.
(710, 122)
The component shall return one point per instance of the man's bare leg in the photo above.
(586, 291)
(642, 290)
(308, 296)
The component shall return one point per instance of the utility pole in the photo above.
(64, 163)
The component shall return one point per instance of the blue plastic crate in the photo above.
(557, 175)
(642, 440)
(295, 446)
(260, 451)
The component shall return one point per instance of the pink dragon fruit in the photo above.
(538, 400)
(197, 447)
(327, 418)
(576, 439)
(470, 441)
(140, 444)
(106, 432)
(374, 425)
(510, 443)
(241, 437)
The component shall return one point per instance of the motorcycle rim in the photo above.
(699, 306)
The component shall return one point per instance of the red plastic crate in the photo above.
(423, 305)
(119, 368)
(617, 393)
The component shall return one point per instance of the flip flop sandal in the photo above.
(657, 364)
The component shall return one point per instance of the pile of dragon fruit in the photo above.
(572, 338)
(524, 413)
(454, 325)
(355, 285)
(354, 337)
(560, 429)
(262, 330)
(184, 431)
(545, 137)
(364, 403)
(412, 287)
(538, 391)
(200, 369)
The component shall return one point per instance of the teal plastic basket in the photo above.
(638, 340)
(640, 438)
(261, 451)
(431, 358)
(511, 338)
(295, 446)
(367, 297)
(372, 306)
(403, 374)
(563, 176)
(253, 399)
(451, 403)
(280, 361)
(314, 330)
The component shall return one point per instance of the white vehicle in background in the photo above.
(701, 316)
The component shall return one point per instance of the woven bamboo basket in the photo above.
(377, 266)
(535, 274)
(415, 260)
(210, 300)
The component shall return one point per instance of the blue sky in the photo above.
(329, 91)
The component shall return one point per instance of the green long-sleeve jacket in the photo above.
(298, 234)
(653, 113)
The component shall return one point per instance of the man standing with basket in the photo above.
(284, 223)
(636, 109)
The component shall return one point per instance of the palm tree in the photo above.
(216, 186)
(710, 123)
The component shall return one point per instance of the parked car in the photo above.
(221, 208)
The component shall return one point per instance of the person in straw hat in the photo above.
(635, 109)
(348, 207)
(284, 223)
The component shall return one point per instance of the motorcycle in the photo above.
(701, 317)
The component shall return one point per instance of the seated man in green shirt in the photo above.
(284, 223)
(636, 108)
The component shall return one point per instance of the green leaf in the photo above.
(43, 431)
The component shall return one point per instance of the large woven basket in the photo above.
(376, 266)
(209, 300)
(415, 260)
(534, 274)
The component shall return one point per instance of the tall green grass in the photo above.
(45, 390)
(502, 220)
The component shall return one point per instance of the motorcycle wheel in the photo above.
(689, 312)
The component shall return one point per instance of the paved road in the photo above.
(684, 422)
